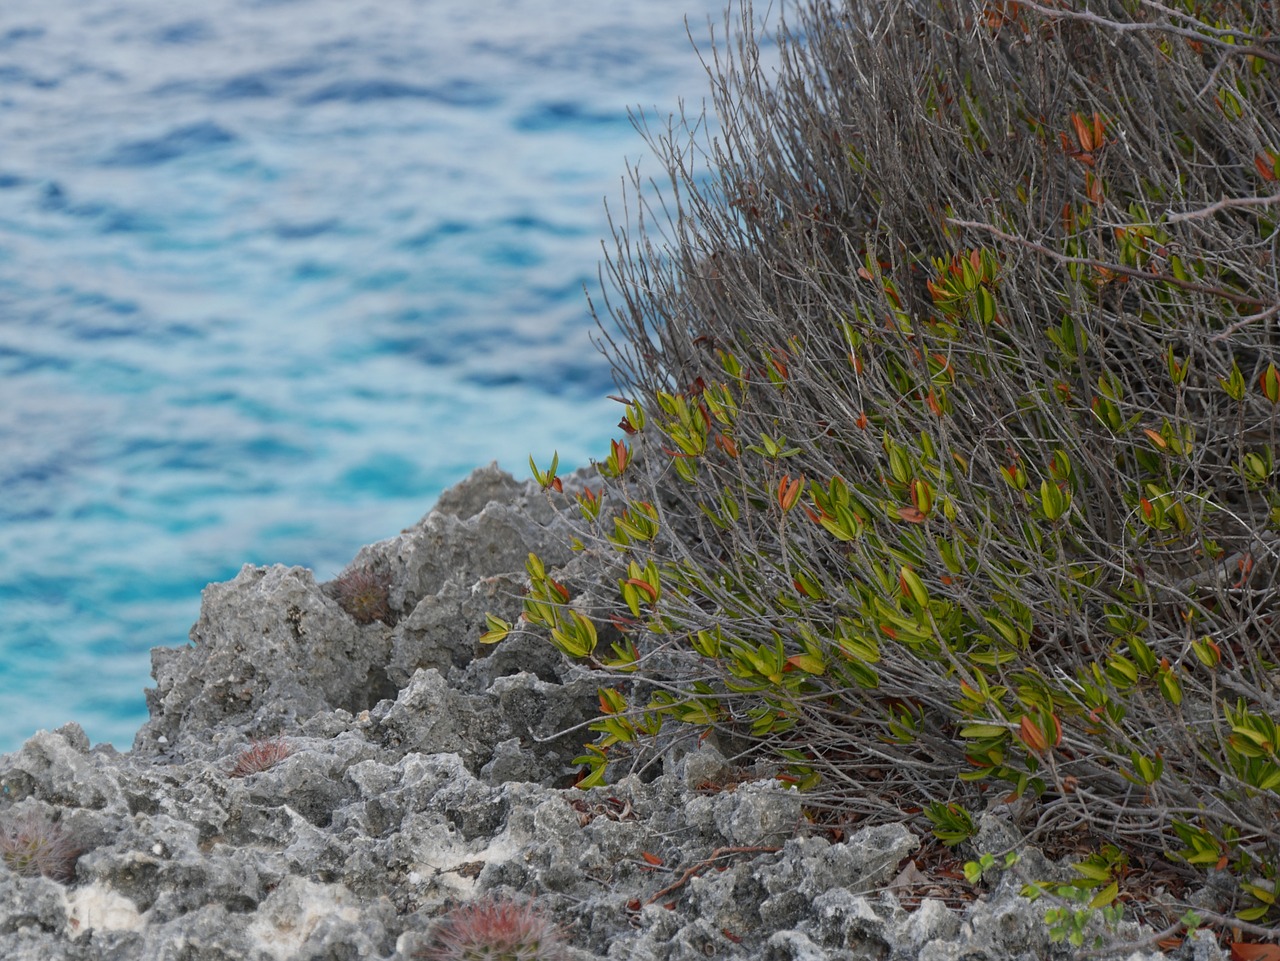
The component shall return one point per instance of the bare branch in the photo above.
(1205, 34)
(1113, 267)
(1226, 203)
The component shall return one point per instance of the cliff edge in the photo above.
(312, 787)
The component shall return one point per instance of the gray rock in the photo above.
(270, 649)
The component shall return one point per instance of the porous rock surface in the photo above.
(425, 772)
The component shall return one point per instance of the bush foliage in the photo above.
(948, 471)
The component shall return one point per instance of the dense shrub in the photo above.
(951, 385)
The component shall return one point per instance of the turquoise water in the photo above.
(273, 273)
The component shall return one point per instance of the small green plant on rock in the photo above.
(981, 869)
(1095, 887)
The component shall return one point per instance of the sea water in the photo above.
(273, 273)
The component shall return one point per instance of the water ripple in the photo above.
(179, 142)
(272, 274)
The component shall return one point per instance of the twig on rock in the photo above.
(703, 865)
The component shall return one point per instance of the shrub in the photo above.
(952, 395)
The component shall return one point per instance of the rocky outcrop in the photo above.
(407, 771)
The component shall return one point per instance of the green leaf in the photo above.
(809, 663)
(986, 305)
(1003, 627)
(1094, 872)
(1205, 857)
(1053, 500)
(914, 586)
(577, 638)
(1105, 896)
(1122, 670)
(1234, 384)
(983, 731)
(498, 629)
(1261, 893)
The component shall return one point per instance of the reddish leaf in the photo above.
(911, 515)
(789, 490)
(621, 455)
(644, 586)
(1269, 381)
(1240, 951)
(1084, 133)
(727, 445)
(1031, 735)
(651, 858)
(1093, 187)
(1245, 567)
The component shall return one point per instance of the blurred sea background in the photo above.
(273, 274)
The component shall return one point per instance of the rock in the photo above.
(269, 650)
(418, 771)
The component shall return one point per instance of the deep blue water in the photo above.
(273, 273)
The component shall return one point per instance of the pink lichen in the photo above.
(34, 845)
(495, 931)
(364, 593)
(260, 755)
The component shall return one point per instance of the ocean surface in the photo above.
(274, 273)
